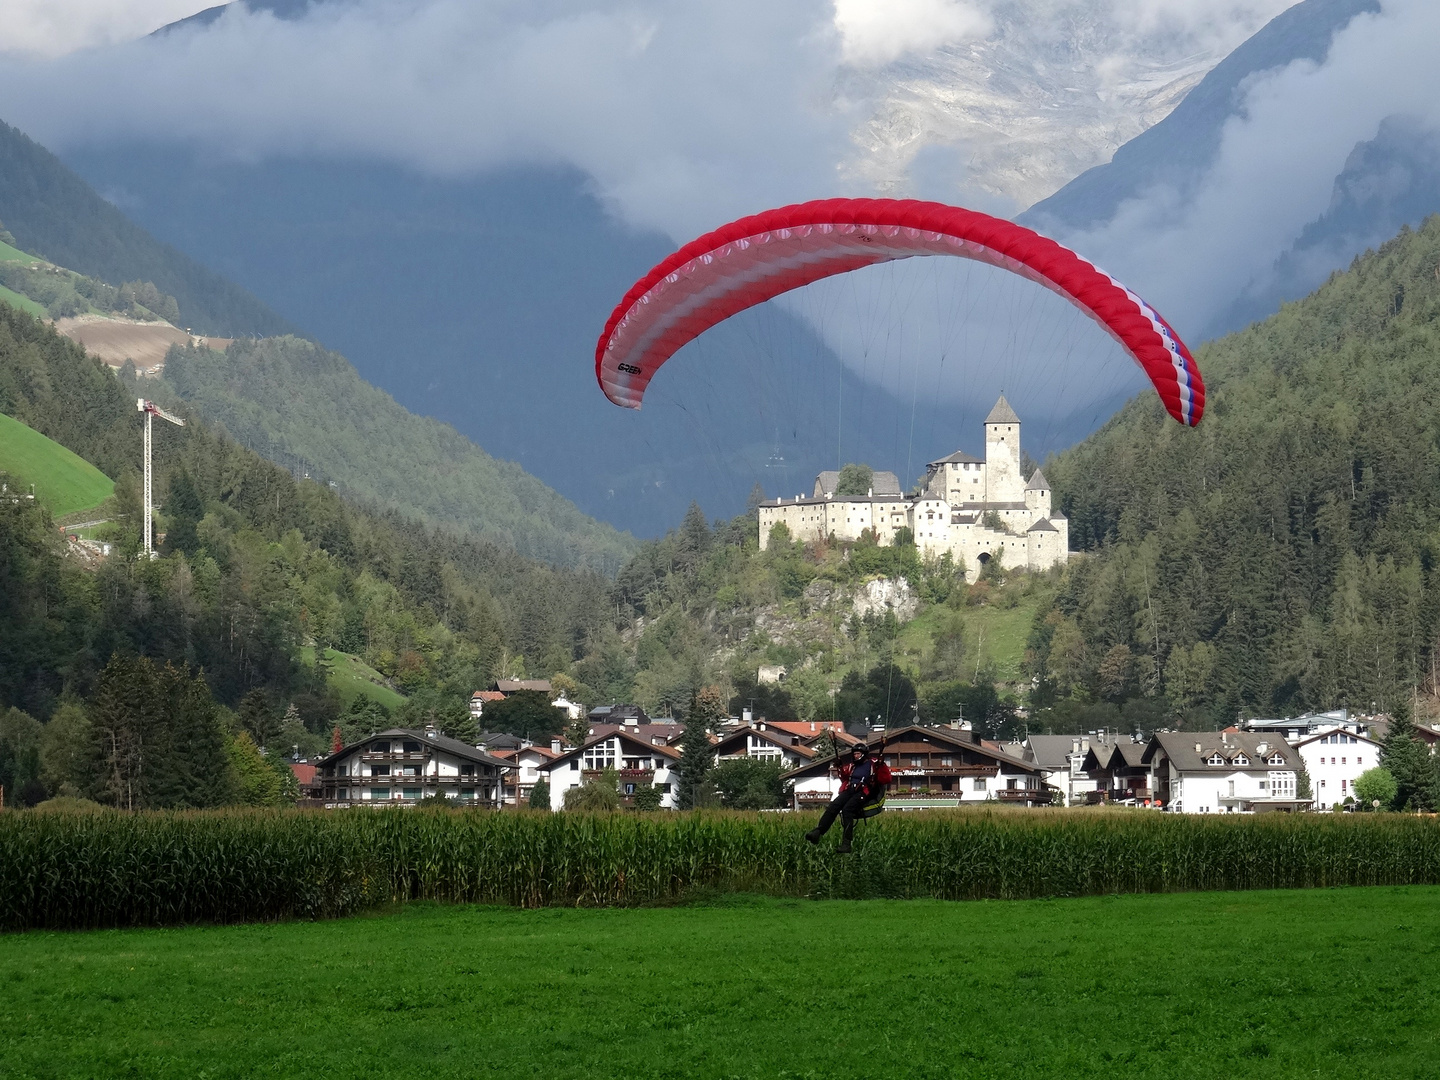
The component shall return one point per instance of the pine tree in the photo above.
(257, 717)
(697, 758)
(184, 508)
(1405, 757)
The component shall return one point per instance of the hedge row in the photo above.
(63, 871)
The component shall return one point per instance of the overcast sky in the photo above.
(687, 114)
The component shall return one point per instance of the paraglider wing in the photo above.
(757, 258)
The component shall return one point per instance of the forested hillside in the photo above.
(255, 566)
(55, 214)
(1285, 554)
(302, 405)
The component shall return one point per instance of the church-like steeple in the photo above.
(1002, 413)
(1037, 482)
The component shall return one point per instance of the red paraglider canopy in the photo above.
(757, 258)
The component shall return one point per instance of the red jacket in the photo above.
(880, 774)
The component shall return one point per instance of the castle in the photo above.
(973, 509)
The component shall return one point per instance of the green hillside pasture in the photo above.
(1265, 985)
(24, 303)
(64, 482)
(14, 254)
(995, 636)
(351, 677)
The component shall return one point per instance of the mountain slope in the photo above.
(255, 566)
(63, 481)
(55, 214)
(1176, 151)
(349, 431)
(296, 403)
(1285, 554)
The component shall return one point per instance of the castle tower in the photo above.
(1003, 482)
(1037, 495)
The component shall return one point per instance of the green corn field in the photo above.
(153, 869)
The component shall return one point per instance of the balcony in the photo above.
(397, 756)
(1022, 795)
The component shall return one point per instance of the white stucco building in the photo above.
(1334, 759)
(973, 509)
(401, 766)
(640, 757)
(1222, 772)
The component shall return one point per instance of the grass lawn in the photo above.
(351, 677)
(63, 481)
(24, 303)
(1332, 983)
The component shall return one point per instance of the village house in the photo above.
(1334, 759)
(764, 741)
(526, 762)
(506, 687)
(972, 509)
(1060, 759)
(480, 698)
(1118, 770)
(1222, 772)
(400, 766)
(1295, 728)
(640, 758)
(935, 766)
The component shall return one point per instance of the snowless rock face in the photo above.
(1054, 89)
(893, 594)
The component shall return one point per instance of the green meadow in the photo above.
(63, 481)
(1319, 983)
(351, 677)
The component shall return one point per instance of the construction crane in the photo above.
(151, 410)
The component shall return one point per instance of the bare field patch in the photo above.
(116, 340)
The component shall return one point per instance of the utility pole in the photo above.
(151, 410)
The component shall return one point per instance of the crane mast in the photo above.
(151, 410)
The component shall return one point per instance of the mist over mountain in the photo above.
(459, 221)
(1312, 142)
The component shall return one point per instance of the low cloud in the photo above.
(1191, 255)
(50, 28)
(876, 32)
(686, 115)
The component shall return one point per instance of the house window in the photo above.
(1263, 785)
(947, 761)
(380, 748)
(916, 762)
(467, 793)
(575, 764)
(979, 783)
(411, 747)
(379, 793)
(411, 793)
(1342, 761)
(343, 794)
(664, 789)
(1322, 783)
(1215, 759)
(380, 770)
(1342, 786)
(1241, 759)
(1359, 761)
(344, 770)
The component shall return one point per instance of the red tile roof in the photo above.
(303, 772)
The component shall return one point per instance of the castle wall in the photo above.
(950, 515)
